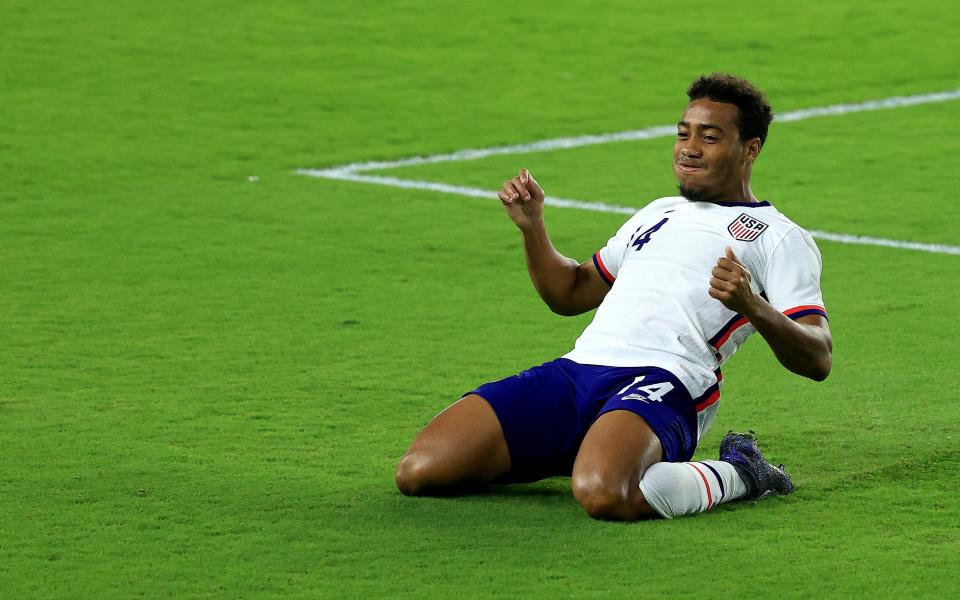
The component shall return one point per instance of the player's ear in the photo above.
(752, 148)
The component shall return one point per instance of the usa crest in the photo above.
(745, 228)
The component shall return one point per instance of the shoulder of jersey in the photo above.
(666, 202)
(778, 219)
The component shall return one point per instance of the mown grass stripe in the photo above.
(647, 133)
(459, 190)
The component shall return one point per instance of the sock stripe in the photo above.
(706, 484)
(723, 492)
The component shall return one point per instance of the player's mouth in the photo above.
(689, 167)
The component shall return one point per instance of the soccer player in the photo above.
(677, 290)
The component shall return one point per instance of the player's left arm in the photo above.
(804, 346)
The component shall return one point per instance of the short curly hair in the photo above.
(754, 111)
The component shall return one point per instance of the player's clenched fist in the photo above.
(730, 283)
(522, 198)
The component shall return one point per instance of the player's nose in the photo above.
(689, 150)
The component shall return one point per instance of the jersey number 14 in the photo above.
(644, 237)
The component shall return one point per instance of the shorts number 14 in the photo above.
(653, 392)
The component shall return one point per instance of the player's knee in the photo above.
(610, 498)
(413, 472)
(601, 497)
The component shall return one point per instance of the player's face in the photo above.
(709, 160)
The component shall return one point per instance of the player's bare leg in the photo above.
(615, 453)
(462, 448)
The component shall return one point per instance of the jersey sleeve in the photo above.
(792, 278)
(608, 259)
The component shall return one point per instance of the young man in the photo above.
(679, 288)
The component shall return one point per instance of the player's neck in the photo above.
(742, 193)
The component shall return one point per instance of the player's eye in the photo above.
(682, 134)
(709, 138)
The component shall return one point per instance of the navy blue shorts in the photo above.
(546, 410)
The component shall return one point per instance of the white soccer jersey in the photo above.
(658, 312)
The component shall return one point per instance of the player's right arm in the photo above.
(567, 287)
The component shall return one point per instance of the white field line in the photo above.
(845, 238)
(460, 190)
(352, 172)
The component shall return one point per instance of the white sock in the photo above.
(676, 489)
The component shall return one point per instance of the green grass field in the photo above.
(206, 380)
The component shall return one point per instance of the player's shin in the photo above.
(677, 489)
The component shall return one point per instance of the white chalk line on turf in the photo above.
(460, 190)
(845, 238)
(352, 172)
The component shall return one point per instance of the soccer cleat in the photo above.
(761, 478)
